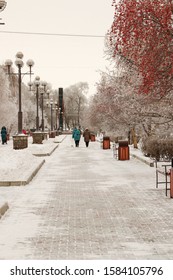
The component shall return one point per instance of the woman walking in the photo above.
(87, 136)
(76, 136)
(4, 135)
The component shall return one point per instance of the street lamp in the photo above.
(52, 132)
(56, 116)
(59, 116)
(19, 63)
(38, 136)
(37, 84)
(44, 84)
(51, 113)
(3, 4)
(60, 119)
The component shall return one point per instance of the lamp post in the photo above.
(3, 4)
(42, 104)
(61, 102)
(38, 136)
(60, 119)
(59, 116)
(51, 113)
(37, 84)
(19, 63)
(52, 132)
(56, 115)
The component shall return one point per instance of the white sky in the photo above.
(61, 61)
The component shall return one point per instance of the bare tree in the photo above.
(75, 102)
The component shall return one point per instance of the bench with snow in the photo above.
(164, 171)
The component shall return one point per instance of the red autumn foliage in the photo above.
(142, 33)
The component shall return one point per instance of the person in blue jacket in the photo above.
(4, 135)
(76, 136)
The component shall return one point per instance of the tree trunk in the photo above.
(134, 138)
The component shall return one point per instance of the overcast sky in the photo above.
(60, 60)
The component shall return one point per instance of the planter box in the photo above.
(52, 134)
(20, 142)
(37, 137)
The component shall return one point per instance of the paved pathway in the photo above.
(83, 204)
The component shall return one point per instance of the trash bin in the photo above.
(123, 150)
(106, 142)
(92, 137)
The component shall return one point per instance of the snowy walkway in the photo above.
(84, 204)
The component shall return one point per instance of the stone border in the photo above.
(3, 208)
(24, 182)
(46, 154)
(35, 172)
(150, 163)
(59, 140)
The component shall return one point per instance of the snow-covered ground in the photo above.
(83, 203)
(16, 165)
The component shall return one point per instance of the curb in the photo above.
(24, 182)
(46, 154)
(150, 163)
(35, 172)
(59, 141)
(3, 208)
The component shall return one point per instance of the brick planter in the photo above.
(44, 135)
(20, 142)
(37, 137)
(52, 134)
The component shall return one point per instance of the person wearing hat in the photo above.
(87, 136)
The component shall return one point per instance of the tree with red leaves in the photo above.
(142, 35)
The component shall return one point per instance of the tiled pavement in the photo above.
(84, 204)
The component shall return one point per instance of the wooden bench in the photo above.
(164, 170)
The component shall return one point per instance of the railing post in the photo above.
(171, 179)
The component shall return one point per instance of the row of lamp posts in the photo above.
(39, 88)
(54, 106)
(20, 141)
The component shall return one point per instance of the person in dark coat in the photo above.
(76, 136)
(4, 135)
(87, 136)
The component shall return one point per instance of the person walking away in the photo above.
(73, 133)
(4, 135)
(76, 135)
(87, 136)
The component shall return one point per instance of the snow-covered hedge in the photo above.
(158, 148)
